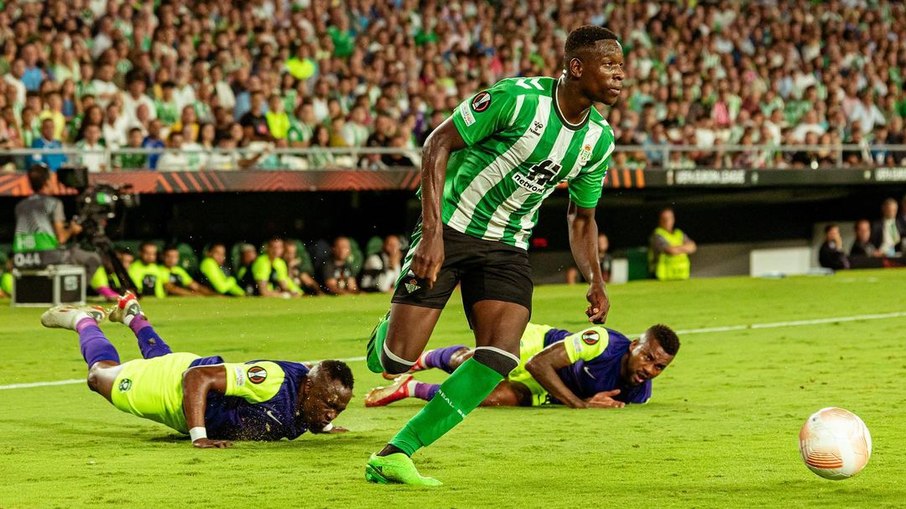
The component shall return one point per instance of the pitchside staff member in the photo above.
(41, 227)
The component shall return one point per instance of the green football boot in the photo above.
(396, 469)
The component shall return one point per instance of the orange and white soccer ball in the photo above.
(835, 443)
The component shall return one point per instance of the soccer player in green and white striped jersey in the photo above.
(485, 172)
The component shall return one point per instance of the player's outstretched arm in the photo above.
(196, 383)
(429, 253)
(583, 242)
(544, 365)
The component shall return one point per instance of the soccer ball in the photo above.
(835, 443)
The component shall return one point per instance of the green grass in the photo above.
(720, 431)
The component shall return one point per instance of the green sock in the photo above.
(376, 345)
(466, 388)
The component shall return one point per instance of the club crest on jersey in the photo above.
(585, 155)
(590, 337)
(257, 374)
(481, 102)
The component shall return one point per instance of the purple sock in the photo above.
(149, 342)
(426, 391)
(94, 345)
(441, 357)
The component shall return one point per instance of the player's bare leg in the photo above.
(101, 357)
(498, 328)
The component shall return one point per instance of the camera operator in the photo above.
(41, 228)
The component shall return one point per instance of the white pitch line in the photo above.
(705, 330)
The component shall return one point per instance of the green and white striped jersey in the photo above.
(519, 148)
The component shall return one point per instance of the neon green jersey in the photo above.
(519, 149)
(148, 278)
(274, 272)
(216, 278)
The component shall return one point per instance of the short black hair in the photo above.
(170, 247)
(38, 175)
(338, 371)
(829, 227)
(585, 37)
(665, 337)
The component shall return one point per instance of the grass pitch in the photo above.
(720, 431)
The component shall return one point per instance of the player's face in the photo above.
(171, 258)
(149, 254)
(324, 401)
(647, 359)
(219, 254)
(602, 72)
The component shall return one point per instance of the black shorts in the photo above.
(487, 270)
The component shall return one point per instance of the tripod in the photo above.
(104, 246)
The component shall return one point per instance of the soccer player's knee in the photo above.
(394, 364)
(499, 360)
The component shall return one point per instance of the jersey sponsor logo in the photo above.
(257, 374)
(590, 337)
(539, 176)
(481, 102)
(125, 385)
(240, 376)
(466, 113)
(537, 128)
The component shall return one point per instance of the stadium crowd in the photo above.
(186, 77)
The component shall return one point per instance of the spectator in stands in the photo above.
(187, 124)
(146, 274)
(319, 158)
(382, 269)
(47, 142)
(153, 141)
(271, 274)
(136, 86)
(92, 153)
(216, 275)
(177, 281)
(115, 127)
(53, 109)
(297, 273)
(669, 249)
(277, 120)
(253, 122)
(132, 160)
(605, 260)
(831, 255)
(862, 245)
(887, 233)
(174, 158)
(337, 277)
